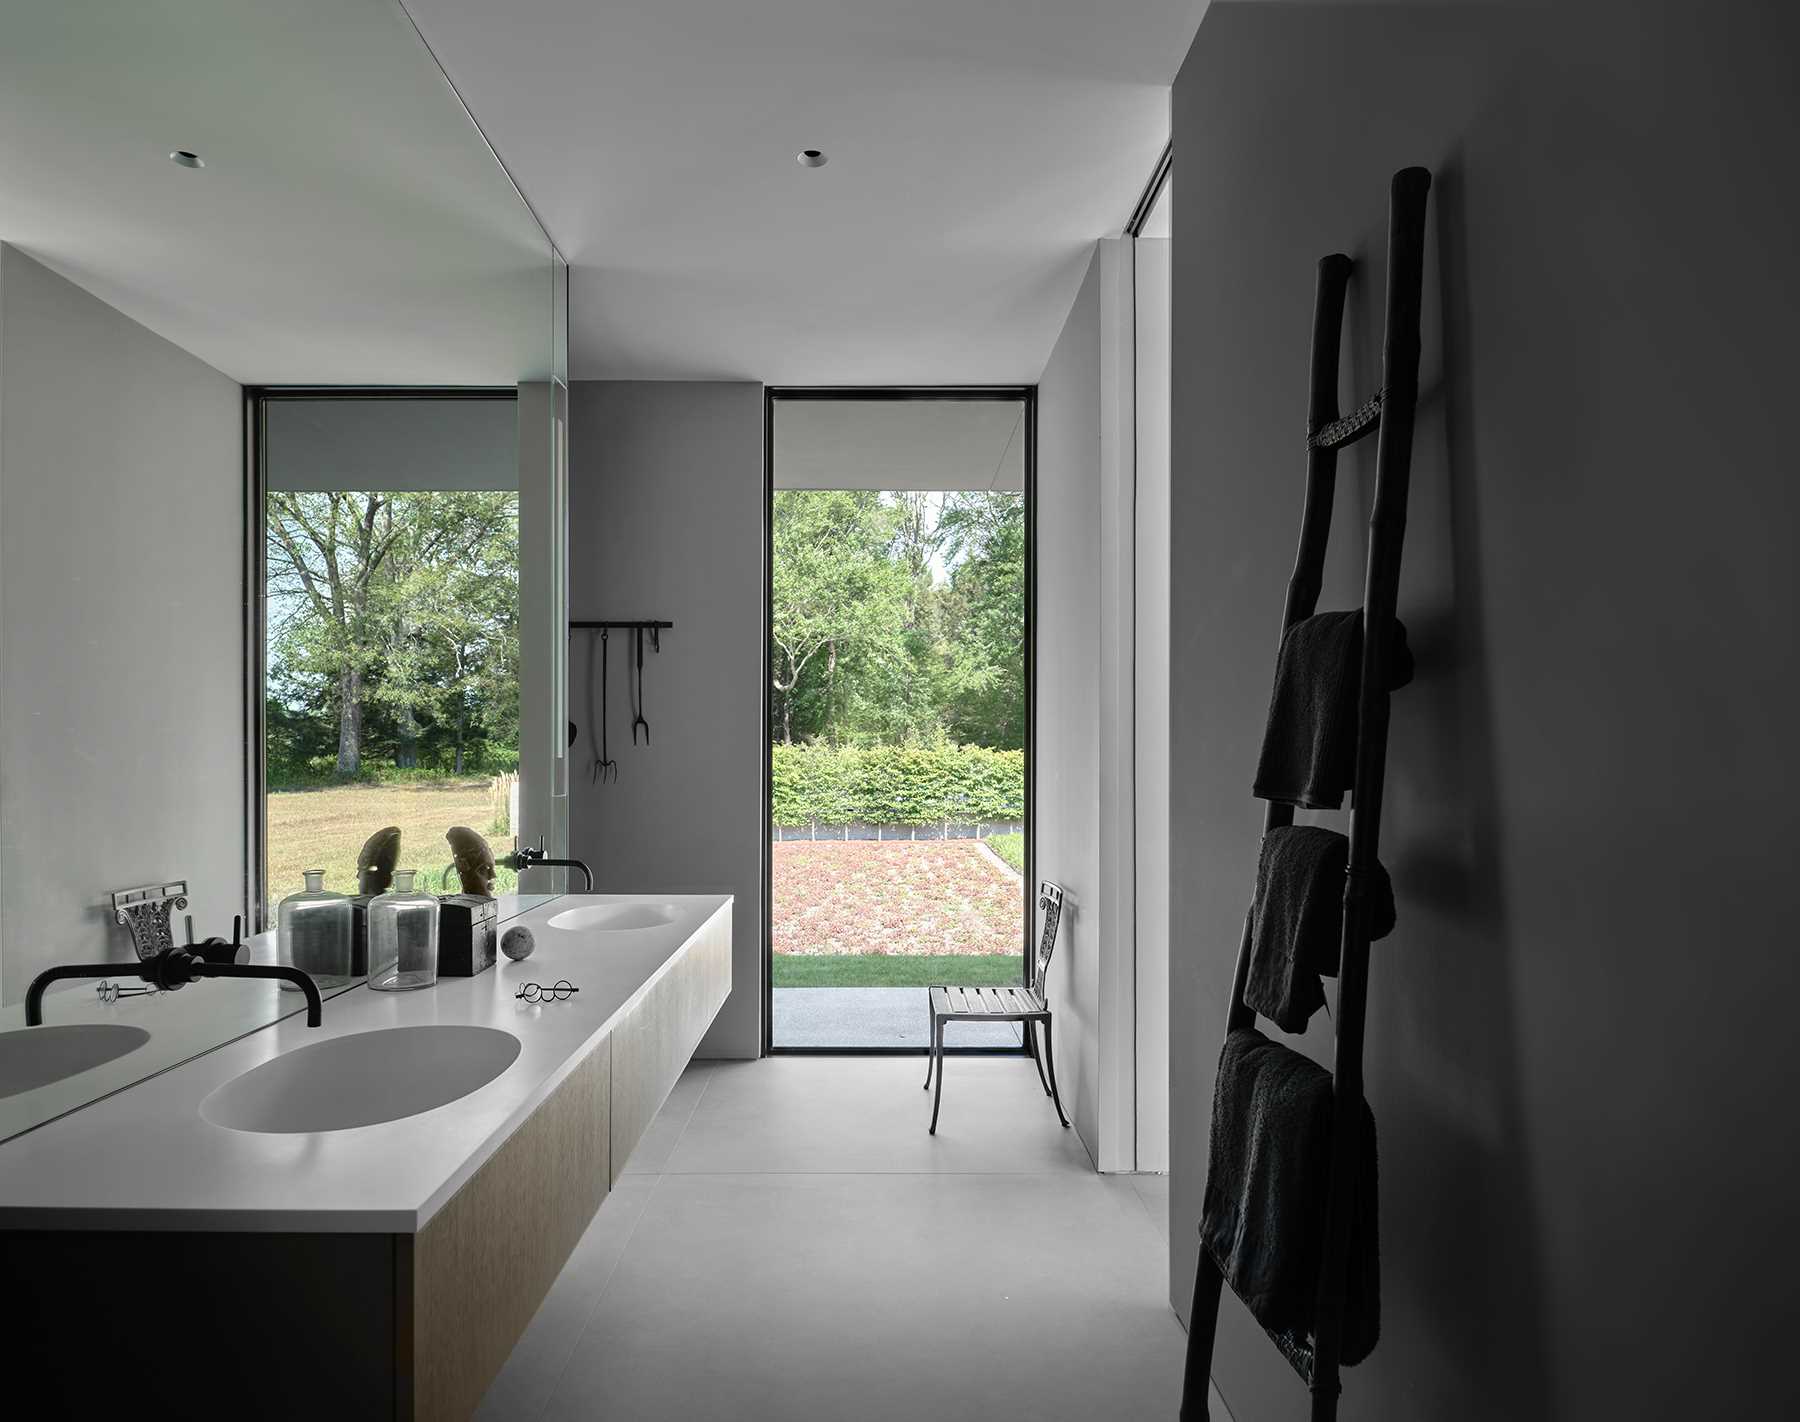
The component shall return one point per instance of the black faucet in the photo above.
(525, 857)
(170, 969)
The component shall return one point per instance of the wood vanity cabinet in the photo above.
(469, 1282)
(474, 1276)
(242, 1323)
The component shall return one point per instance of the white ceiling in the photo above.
(977, 148)
(914, 445)
(350, 225)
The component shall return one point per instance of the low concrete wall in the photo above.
(979, 830)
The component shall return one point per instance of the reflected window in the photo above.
(390, 631)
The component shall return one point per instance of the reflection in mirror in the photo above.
(277, 425)
(390, 630)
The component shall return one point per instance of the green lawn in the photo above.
(892, 970)
(1011, 848)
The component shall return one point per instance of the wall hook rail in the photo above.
(653, 627)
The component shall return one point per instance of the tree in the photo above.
(834, 587)
(984, 541)
(942, 658)
(394, 612)
(331, 547)
(462, 614)
(449, 602)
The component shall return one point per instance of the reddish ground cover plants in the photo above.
(904, 898)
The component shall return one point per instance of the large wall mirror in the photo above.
(282, 362)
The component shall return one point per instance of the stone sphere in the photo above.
(517, 943)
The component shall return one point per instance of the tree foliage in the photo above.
(898, 618)
(393, 630)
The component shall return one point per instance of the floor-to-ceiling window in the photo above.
(390, 631)
(899, 710)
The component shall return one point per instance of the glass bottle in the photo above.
(403, 937)
(313, 933)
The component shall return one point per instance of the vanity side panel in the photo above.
(657, 1038)
(484, 1263)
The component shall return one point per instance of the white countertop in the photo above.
(145, 1158)
(182, 1025)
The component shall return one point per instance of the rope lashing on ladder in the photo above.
(1351, 427)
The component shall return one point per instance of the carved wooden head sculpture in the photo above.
(375, 861)
(474, 859)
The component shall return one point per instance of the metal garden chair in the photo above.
(1025, 1005)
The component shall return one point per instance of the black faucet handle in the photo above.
(216, 949)
(173, 968)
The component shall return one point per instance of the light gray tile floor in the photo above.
(789, 1244)
(873, 1017)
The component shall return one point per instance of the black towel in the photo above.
(1263, 1219)
(1297, 922)
(1309, 749)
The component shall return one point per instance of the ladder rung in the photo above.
(1352, 427)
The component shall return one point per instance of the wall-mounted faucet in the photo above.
(525, 857)
(168, 970)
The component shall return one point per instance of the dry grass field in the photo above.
(323, 829)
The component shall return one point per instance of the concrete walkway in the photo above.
(873, 1017)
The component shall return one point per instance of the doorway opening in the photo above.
(900, 715)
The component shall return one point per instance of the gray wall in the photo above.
(1066, 763)
(666, 509)
(1577, 1056)
(121, 624)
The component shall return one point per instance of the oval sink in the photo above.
(615, 918)
(362, 1079)
(38, 1056)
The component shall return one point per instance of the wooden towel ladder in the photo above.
(1390, 412)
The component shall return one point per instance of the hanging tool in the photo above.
(638, 718)
(604, 768)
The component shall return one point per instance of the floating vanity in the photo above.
(357, 1220)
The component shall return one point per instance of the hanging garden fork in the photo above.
(604, 769)
(638, 704)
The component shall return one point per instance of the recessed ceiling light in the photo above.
(181, 158)
(810, 158)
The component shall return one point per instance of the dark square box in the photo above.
(467, 933)
(359, 934)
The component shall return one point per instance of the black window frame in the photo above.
(1026, 395)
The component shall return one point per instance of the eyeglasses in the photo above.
(537, 992)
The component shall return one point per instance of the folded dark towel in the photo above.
(1297, 921)
(1263, 1217)
(1309, 749)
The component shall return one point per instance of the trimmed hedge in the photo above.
(897, 785)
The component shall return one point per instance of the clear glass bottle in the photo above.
(313, 933)
(403, 937)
